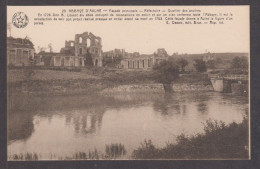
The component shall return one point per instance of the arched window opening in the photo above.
(88, 42)
(80, 39)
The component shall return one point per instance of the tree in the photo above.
(112, 61)
(200, 65)
(239, 62)
(50, 47)
(41, 49)
(219, 61)
(211, 64)
(88, 59)
(166, 72)
(183, 63)
(27, 37)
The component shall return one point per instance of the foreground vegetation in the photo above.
(112, 151)
(219, 141)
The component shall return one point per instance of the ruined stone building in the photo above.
(45, 58)
(111, 58)
(20, 52)
(114, 53)
(145, 62)
(135, 54)
(74, 53)
(140, 62)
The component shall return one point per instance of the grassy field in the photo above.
(106, 75)
(30, 74)
(86, 80)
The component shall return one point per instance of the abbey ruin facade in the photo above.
(86, 50)
(75, 51)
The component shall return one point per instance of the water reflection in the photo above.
(20, 126)
(167, 106)
(87, 121)
(171, 104)
(81, 123)
(202, 107)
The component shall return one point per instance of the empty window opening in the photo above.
(80, 39)
(88, 43)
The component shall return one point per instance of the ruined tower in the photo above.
(89, 43)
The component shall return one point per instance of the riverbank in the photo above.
(87, 81)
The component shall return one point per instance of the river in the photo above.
(63, 125)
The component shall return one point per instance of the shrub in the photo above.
(166, 72)
(115, 151)
(219, 141)
(183, 63)
(200, 65)
(239, 63)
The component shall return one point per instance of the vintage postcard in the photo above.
(128, 83)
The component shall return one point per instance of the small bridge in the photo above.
(229, 83)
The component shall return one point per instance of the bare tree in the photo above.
(27, 37)
(41, 49)
(50, 47)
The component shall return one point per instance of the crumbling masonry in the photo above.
(75, 52)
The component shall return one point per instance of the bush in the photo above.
(112, 62)
(115, 151)
(200, 65)
(219, 141)
(239, 63)
(182, 63)
(211, 64)
(166, 71)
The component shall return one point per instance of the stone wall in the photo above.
(72, 87)
(68, 61)
(138, 63)
(19, 56)
(239, 89)
(142, 88)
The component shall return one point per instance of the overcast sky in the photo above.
(144, 37)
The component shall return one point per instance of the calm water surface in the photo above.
(64, 125)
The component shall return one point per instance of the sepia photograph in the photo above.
(128, 83)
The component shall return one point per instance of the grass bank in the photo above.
(87, 80)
